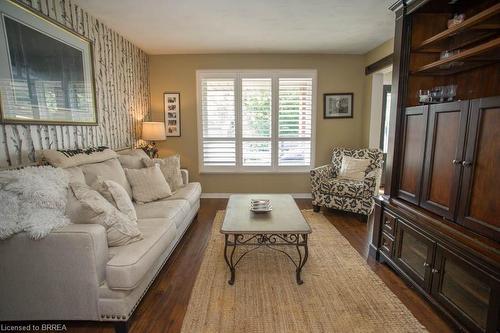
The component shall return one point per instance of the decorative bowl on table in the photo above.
(260, 205)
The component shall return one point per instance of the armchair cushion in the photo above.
(343, 187)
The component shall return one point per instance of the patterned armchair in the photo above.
(345, 194)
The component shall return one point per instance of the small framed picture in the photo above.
(338, 105)
(172, 105)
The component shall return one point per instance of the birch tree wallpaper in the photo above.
(122, 92)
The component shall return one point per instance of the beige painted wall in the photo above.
(383, 50)
(336, 73)
(371, 57)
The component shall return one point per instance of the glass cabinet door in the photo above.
(462, 288)
(414, 254)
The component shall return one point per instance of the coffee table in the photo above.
(283, 226)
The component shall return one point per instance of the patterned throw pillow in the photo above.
(76, 157)
(171, 169)
(120, 228)
(148, 184)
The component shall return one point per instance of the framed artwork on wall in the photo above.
(338, 105)
(172, 105)
(46, 70)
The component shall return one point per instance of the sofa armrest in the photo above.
(56, 277)
(185, 176)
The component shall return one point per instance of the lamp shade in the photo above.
(153, 130)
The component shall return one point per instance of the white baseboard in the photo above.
(226, 195)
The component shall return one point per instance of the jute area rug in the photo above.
(340, 293)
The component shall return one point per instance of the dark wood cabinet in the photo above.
(413, 147)
(465, 290)
(458, 273)
(438, 223)
(414, 254)
(443, 157)
(479, 198)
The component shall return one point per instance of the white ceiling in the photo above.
(248, 26)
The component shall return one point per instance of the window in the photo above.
(386, 110)
(256, 121)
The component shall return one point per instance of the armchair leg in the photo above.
(316, 208)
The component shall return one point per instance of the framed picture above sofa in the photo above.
(338, 105)
(46, 70)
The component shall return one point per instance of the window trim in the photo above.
(275, 75)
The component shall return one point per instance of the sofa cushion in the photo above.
(342, 187)
(174, 210)
(191, 192)
(130, 263)
(107, 170)
(75, 175)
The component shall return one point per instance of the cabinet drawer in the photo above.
(386, 244)
(389, 223)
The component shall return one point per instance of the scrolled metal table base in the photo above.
(299, 241)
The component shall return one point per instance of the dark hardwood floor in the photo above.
(163, 307)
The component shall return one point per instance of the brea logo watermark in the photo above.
(33, 328)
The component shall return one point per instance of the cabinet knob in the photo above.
(456, 162)
(426, 264)
(434, 270)
(466, 163)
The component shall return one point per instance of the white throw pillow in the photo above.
(120, 229)
(170, 168)
(148, 184)
(117, 196)
(353, 168)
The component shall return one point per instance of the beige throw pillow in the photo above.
(134, 152)
(170, 168)
(148, 184)
(107, 170)
(131, 161)
(120, 229)
(117, 196)
(353, 168)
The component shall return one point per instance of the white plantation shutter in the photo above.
(256, 120)
(295, 121)
(218, 117)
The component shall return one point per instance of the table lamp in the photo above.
(153, 131)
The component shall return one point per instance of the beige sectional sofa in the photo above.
(72, 274)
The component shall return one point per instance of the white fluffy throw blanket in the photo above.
(32, 200)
